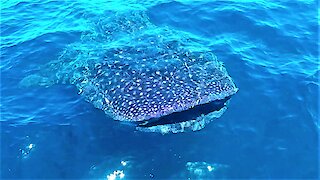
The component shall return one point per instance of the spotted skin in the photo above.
(137, 86)
(136, 71)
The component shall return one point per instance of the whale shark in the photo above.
(158, 79)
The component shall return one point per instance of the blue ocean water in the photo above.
(270, 130)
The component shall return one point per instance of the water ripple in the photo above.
(270, 131)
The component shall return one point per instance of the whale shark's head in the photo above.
(153, 90)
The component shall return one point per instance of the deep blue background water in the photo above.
(270, 130)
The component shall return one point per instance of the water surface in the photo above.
(270, 129)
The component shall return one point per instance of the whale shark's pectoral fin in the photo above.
(36, 80)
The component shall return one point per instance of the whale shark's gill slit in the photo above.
(186, 115)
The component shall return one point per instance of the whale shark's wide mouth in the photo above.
(186, 115)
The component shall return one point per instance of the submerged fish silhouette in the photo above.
(161, 80)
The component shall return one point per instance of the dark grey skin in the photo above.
(160, 79)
